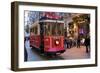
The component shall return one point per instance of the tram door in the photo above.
(42, 37)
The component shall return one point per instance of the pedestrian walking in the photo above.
(26, 43)
(87, 43)
(78, 42)
(65, 43)
(68, 42)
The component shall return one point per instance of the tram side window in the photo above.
(60, 29)
(54, 29)
(30, 30)
(47, 28)
(36, 30)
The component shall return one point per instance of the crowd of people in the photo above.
(69, 42)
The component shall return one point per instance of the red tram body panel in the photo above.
(53, 45)
(35, 40)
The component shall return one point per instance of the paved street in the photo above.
(75, 53)
(72, 53)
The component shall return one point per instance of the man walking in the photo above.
(87, 43)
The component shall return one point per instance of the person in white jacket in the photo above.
(26, 43)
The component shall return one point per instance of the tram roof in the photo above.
(55, 21)
(48, 20)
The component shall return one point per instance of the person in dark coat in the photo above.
(67, 42)
(87, 44)
(25, 54)
(78, 42)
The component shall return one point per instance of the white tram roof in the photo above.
(37, 22)
(58, 21)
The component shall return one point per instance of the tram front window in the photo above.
(53, 29)
(57, 29)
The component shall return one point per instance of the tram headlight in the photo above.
(57, 42)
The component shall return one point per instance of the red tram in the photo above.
(46, 35)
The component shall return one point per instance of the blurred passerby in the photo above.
(26, 43)
(25, 54)
(87, 43)
(65, 42)
(68, 42)
(78, 42)
(82, 41)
